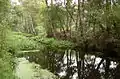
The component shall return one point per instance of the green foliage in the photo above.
(56, 45)
(6, 59)
(4, 7)
(19, 41)
(6, 66)
(41, 31)
(54, 17)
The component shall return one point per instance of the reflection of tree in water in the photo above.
(91, 67)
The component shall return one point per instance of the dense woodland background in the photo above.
(48, 31)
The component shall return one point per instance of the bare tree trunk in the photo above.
(107, 68)
(33, 26)
(100, 64)
(78, 65)
(68, 74)
(46, 1)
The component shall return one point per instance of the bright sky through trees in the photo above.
(15, 2)
(49, 1)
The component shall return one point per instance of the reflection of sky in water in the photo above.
(88, 58)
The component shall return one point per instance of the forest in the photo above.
(59, 39)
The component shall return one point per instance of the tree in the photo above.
(6, 59)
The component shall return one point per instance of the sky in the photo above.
(15, 1)
(49, 1)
